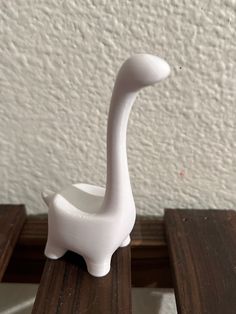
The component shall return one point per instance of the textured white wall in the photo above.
(58, 63)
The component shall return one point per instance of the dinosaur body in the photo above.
(90, 220)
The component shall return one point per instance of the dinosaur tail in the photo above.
(47, 196)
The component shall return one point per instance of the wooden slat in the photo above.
(12, 218)
(28, 259)
(149, 254)
(150, 259)
(66, 287)
(202, 246)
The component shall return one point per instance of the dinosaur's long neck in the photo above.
(118, 188)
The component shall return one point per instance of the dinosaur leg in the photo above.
(126, 242)
(99, 269)
(53, 250)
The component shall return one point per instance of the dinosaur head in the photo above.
(142, 70)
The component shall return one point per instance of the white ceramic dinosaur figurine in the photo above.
(90, 220)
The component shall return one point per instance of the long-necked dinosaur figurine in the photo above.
(90, 220)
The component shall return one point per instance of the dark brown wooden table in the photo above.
(202, 246)
(66, 287)
(194, 249)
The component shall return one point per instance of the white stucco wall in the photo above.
(58, 62)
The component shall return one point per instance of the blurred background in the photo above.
(58, 62)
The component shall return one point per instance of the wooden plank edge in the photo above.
(12, 218)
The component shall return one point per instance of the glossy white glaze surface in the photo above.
(91, 220)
